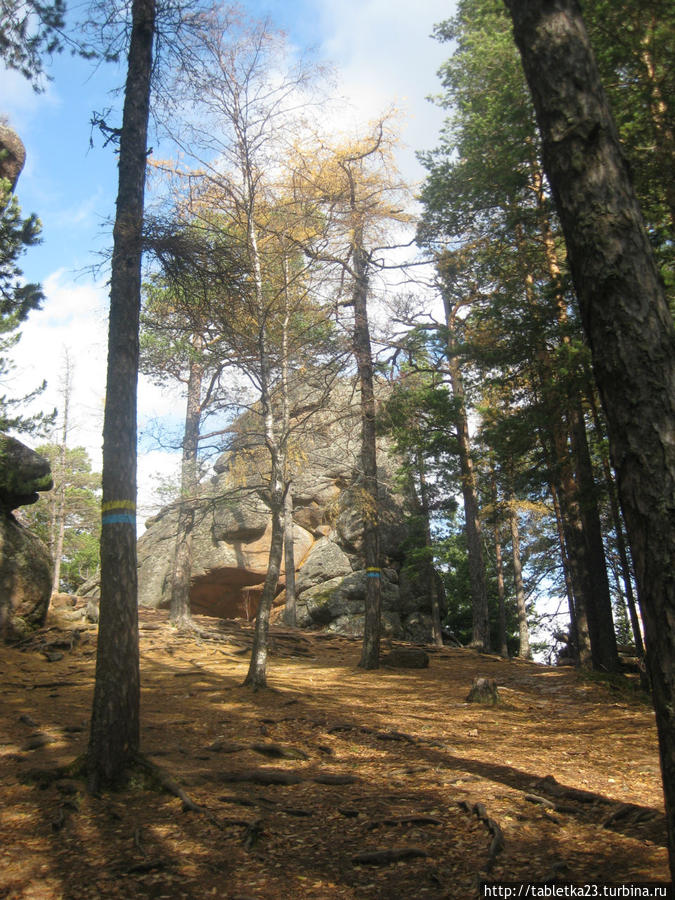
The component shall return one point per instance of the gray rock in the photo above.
(12, 155)
(25, 579)
(231, 537)
(324, 562)
(418, 628)
(353, 625)
(23, 473)
(340, 603)
(245, 521)
(25, 562)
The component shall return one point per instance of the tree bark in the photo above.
(436, 631)
(569, 591)
(60, 506)
(370, 655)
(599, 609)
(625, 316)
(290, 611)
(179, 609)
(523, 631)
(256, 676)
(499, 566)
(567, 489)
(620, 540)
(114, 738)
(474, 535)
(257, 672)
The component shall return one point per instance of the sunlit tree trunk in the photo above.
(60, 505)
(370, 655)
(290, 607)
(436, 632)
(257, 672)
(499, 566)
(179, 609)
(564, 561)
(474, 534)
(290, 611)
(523, 630)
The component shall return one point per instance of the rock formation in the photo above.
(232, 534)
(25, 562)
(12, 155)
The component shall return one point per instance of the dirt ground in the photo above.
(333, 783)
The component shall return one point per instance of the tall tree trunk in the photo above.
(501, 593)
(575, 543)
(257, 672)
(499, 565)
(625, 316)
(290, 609)
(60, 506)
(598, 603)
(436, 632)
(554, 441)
(523, 630)
(620, 540)
(599, 610)
(256, 676)
(114, 738)
(474, 535)
(179, 609)
(370, 654)
(662, 129)
(569, 591)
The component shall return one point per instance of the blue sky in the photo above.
(383, 54)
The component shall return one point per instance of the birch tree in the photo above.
(245, 101)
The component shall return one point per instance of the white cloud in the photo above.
(20, 103)
(73, 318)
(385, 55)
(154, 467)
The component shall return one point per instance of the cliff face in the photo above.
(231, 539)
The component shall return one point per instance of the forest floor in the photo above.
(332, 783)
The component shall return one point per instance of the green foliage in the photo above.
(634, 45)
(80, 489)
(17, 300)
(30, 30)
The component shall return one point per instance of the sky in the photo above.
(383, 54)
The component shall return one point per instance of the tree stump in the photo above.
(484, 690)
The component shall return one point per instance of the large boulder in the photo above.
(12, 157)
(325, 561)
(231, 537)
(26, 572)
(23, 473)
(25, 563)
